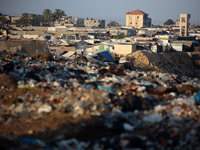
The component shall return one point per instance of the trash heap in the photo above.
(136, 109)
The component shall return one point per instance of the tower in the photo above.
(184, 24)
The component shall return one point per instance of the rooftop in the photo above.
(136, 12)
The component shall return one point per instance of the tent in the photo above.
(54, 40)
(41, 38)
(65, 43)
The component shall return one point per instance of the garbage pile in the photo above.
(133, 109)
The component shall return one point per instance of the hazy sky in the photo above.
(109, 10)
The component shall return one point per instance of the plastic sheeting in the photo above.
(107, 55)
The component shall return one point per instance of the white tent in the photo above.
(41, 38)
(65, 43)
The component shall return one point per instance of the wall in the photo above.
(124, 49)
(177, 47)
(29, 47)
(134, 20)
(27, 36)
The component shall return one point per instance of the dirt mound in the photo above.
(175, 62)
(7, 81)
(42, 57)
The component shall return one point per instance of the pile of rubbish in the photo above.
(71, 104)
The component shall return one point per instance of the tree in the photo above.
(119, 36)
(169, 22)
(24, 19)
(4, 20)
(114, 24)
(58, 14)
(47, 17)
(35, 19)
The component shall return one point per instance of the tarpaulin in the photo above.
(107, 55)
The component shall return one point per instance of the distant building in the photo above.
(137, 19)
(184, 24)
(14, 19)
(94, 23)
(70, 22)
(177, 22)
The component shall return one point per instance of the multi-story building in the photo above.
(137, 19)
(94, 23)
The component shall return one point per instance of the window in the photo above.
(130, 22)
(137, 16)
(136, 23)
(130, 16)
(183, 19)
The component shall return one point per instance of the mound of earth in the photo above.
(175, 62)
(7, 81)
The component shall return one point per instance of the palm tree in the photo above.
(47, 16)
(58, 14)
(25, 19)
(35, 19)
(39, 20)
(32, 19)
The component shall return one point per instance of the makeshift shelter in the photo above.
(54, 40)
(68, 54)
(64, 43)
(82, 46)
(41, 38)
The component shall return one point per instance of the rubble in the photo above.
(74, 104)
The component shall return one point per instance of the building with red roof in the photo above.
(137, 19)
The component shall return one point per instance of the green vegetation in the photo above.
(4, 20)
(119, 36)
(169, 22)
(114, 24)
(46, 19)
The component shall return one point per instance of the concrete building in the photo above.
(70, 22)
(137, 19)
(124, 49)
(94, 23)
(184, 24)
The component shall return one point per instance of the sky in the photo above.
(109, 10)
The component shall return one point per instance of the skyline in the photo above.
(109, 10)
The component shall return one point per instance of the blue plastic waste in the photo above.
(106, 88)
(28, 141)
(87, 86)
(197, 97)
